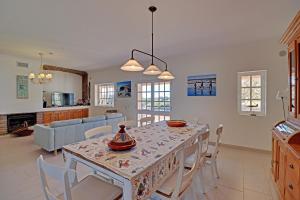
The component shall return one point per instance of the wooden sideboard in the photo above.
(286, 159)
(50, 116)
(291, 38)
(286, 134)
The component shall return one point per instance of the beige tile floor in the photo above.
(245, 175)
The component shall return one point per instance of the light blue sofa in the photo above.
(60, 133)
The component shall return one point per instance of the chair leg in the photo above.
(189, 195)
(213, 175)
(214, 163)
(201, 181)
(193, 193)
(194, 186)
(55, 152)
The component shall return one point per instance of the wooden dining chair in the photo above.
(128, 124)
(90, 188)
(98, 132)
(211, 156)
(180, 184)
(146, 120)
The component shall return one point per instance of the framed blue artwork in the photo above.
(124, 89)
(202, 85)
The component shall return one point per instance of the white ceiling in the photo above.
(87, 34)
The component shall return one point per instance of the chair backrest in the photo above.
(219, 132)
(98, 131)
(182, 177)
(145, 120)
(128, 124)
(205, 141)
(59, 174)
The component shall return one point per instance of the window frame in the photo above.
(97, 96)
(152, 112)
(263, 86)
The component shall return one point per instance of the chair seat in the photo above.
(169, 185)
(92, 188)
(189, 161)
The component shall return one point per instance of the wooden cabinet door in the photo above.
(55, 116)
(61, 115)
(281, 169)
(85, 112)
(77, 114)
(80, 113)
(47, 117)
(275, 160)
(67, 115)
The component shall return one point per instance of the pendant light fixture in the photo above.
(42, 77)
(152, 69)
(133, 65)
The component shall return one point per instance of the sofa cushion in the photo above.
(113, 115)
(65, 123)
(93, 119)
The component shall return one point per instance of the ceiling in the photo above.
(88, 34)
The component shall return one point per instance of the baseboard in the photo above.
(243, 148)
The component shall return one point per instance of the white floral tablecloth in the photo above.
(149, 163)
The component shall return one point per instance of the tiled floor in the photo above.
(245, 175)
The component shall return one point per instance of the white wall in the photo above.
(62, 82)
(239, 130)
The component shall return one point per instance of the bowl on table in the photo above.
(122, 141)
(176, 123)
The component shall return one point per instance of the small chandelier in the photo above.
(42, 77)
(133, 65)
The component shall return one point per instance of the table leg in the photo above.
(127, 190)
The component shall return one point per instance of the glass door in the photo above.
(154, 99)
(293, 82)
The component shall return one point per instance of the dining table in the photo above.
(141, 170)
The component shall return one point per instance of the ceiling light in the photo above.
(42, 76)
(166, 75)
(133, 65)
(152, 70)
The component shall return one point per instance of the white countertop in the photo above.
(63, 108)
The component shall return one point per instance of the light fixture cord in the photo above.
(283, 108)
(152, 38)
(41, 55)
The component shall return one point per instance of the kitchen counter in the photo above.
(63, 108)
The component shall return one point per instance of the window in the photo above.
(154, 99)
(104, 94)
(252, 93)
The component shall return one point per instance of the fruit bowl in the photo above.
(176, 123)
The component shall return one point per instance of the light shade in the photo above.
(152, 70)
(282, 94)
(49, 76)
(31, 76)
(41, 75)
(132, 66)
(166, 75)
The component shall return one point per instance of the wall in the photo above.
(63, 82)
(254, 132)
